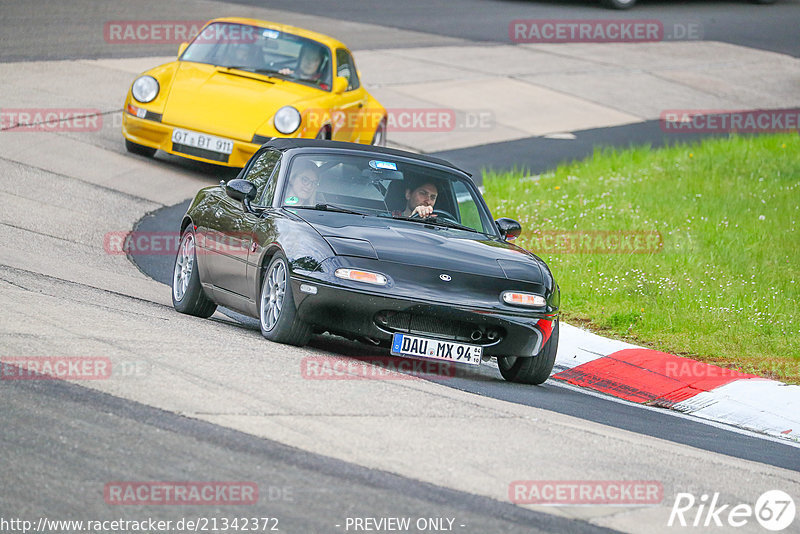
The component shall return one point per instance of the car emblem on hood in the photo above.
(445, 277)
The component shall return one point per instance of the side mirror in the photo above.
(339, 85)
(241, 190)
(182, 47)
(509, 228)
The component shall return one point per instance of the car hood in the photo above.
(413, 243)
(227, 103)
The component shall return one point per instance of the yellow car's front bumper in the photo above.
(154, 134)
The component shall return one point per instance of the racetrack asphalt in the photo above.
(36, 30)
(68, 426)
(538, 154)
(772, 27)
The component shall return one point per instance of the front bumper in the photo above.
(154, 134)
(354, 313)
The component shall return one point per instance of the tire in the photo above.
(323, 134)
(141, 150)
(187, 293)
(379, 139)
(276, 312)
(535, 370)
(618, 4)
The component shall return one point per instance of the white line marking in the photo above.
(673, 413)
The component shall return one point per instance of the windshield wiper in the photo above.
(331, 207)
(439, 222)
(266, 72)
(237, 67)
(270, 72)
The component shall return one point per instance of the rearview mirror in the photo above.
(182, 47)
(339, 85)
(241, 190)
(509, 228)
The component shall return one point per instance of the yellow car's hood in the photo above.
(229, 103)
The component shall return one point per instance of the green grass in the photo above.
(723, 288)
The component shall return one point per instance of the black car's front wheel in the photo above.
(277, 314)
(535, 370)
(187, 294)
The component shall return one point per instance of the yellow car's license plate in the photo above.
(201, 140)
(406, 345)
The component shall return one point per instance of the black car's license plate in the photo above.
(420, 347)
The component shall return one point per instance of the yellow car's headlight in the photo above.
(145, 89)
(287, 120)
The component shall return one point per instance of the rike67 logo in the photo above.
(774, 510)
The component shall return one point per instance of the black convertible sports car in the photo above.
(319, 236)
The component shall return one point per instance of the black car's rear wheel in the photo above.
(187, 293)
(135, 148)
(277, 314)
(535, 370)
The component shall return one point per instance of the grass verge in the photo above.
(690, 249)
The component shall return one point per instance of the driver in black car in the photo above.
(420, 200)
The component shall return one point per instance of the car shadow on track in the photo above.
(336, 347)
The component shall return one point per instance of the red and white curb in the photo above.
(654, 378)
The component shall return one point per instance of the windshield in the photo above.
(382, 186)
(264, 51)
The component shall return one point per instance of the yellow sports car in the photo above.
(241, 82)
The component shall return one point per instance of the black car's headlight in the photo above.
(145, 89)
(529, 300)
(356, 275)
(287, 120)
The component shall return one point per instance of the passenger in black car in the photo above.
(302, 189)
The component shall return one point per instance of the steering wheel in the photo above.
(439, 213)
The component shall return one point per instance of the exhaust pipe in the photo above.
(492, 335)
(476, 335)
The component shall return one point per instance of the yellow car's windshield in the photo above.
(264, 51)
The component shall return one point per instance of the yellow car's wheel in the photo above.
(141, 150)
(379, 138)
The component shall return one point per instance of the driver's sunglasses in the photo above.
(309, 180)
